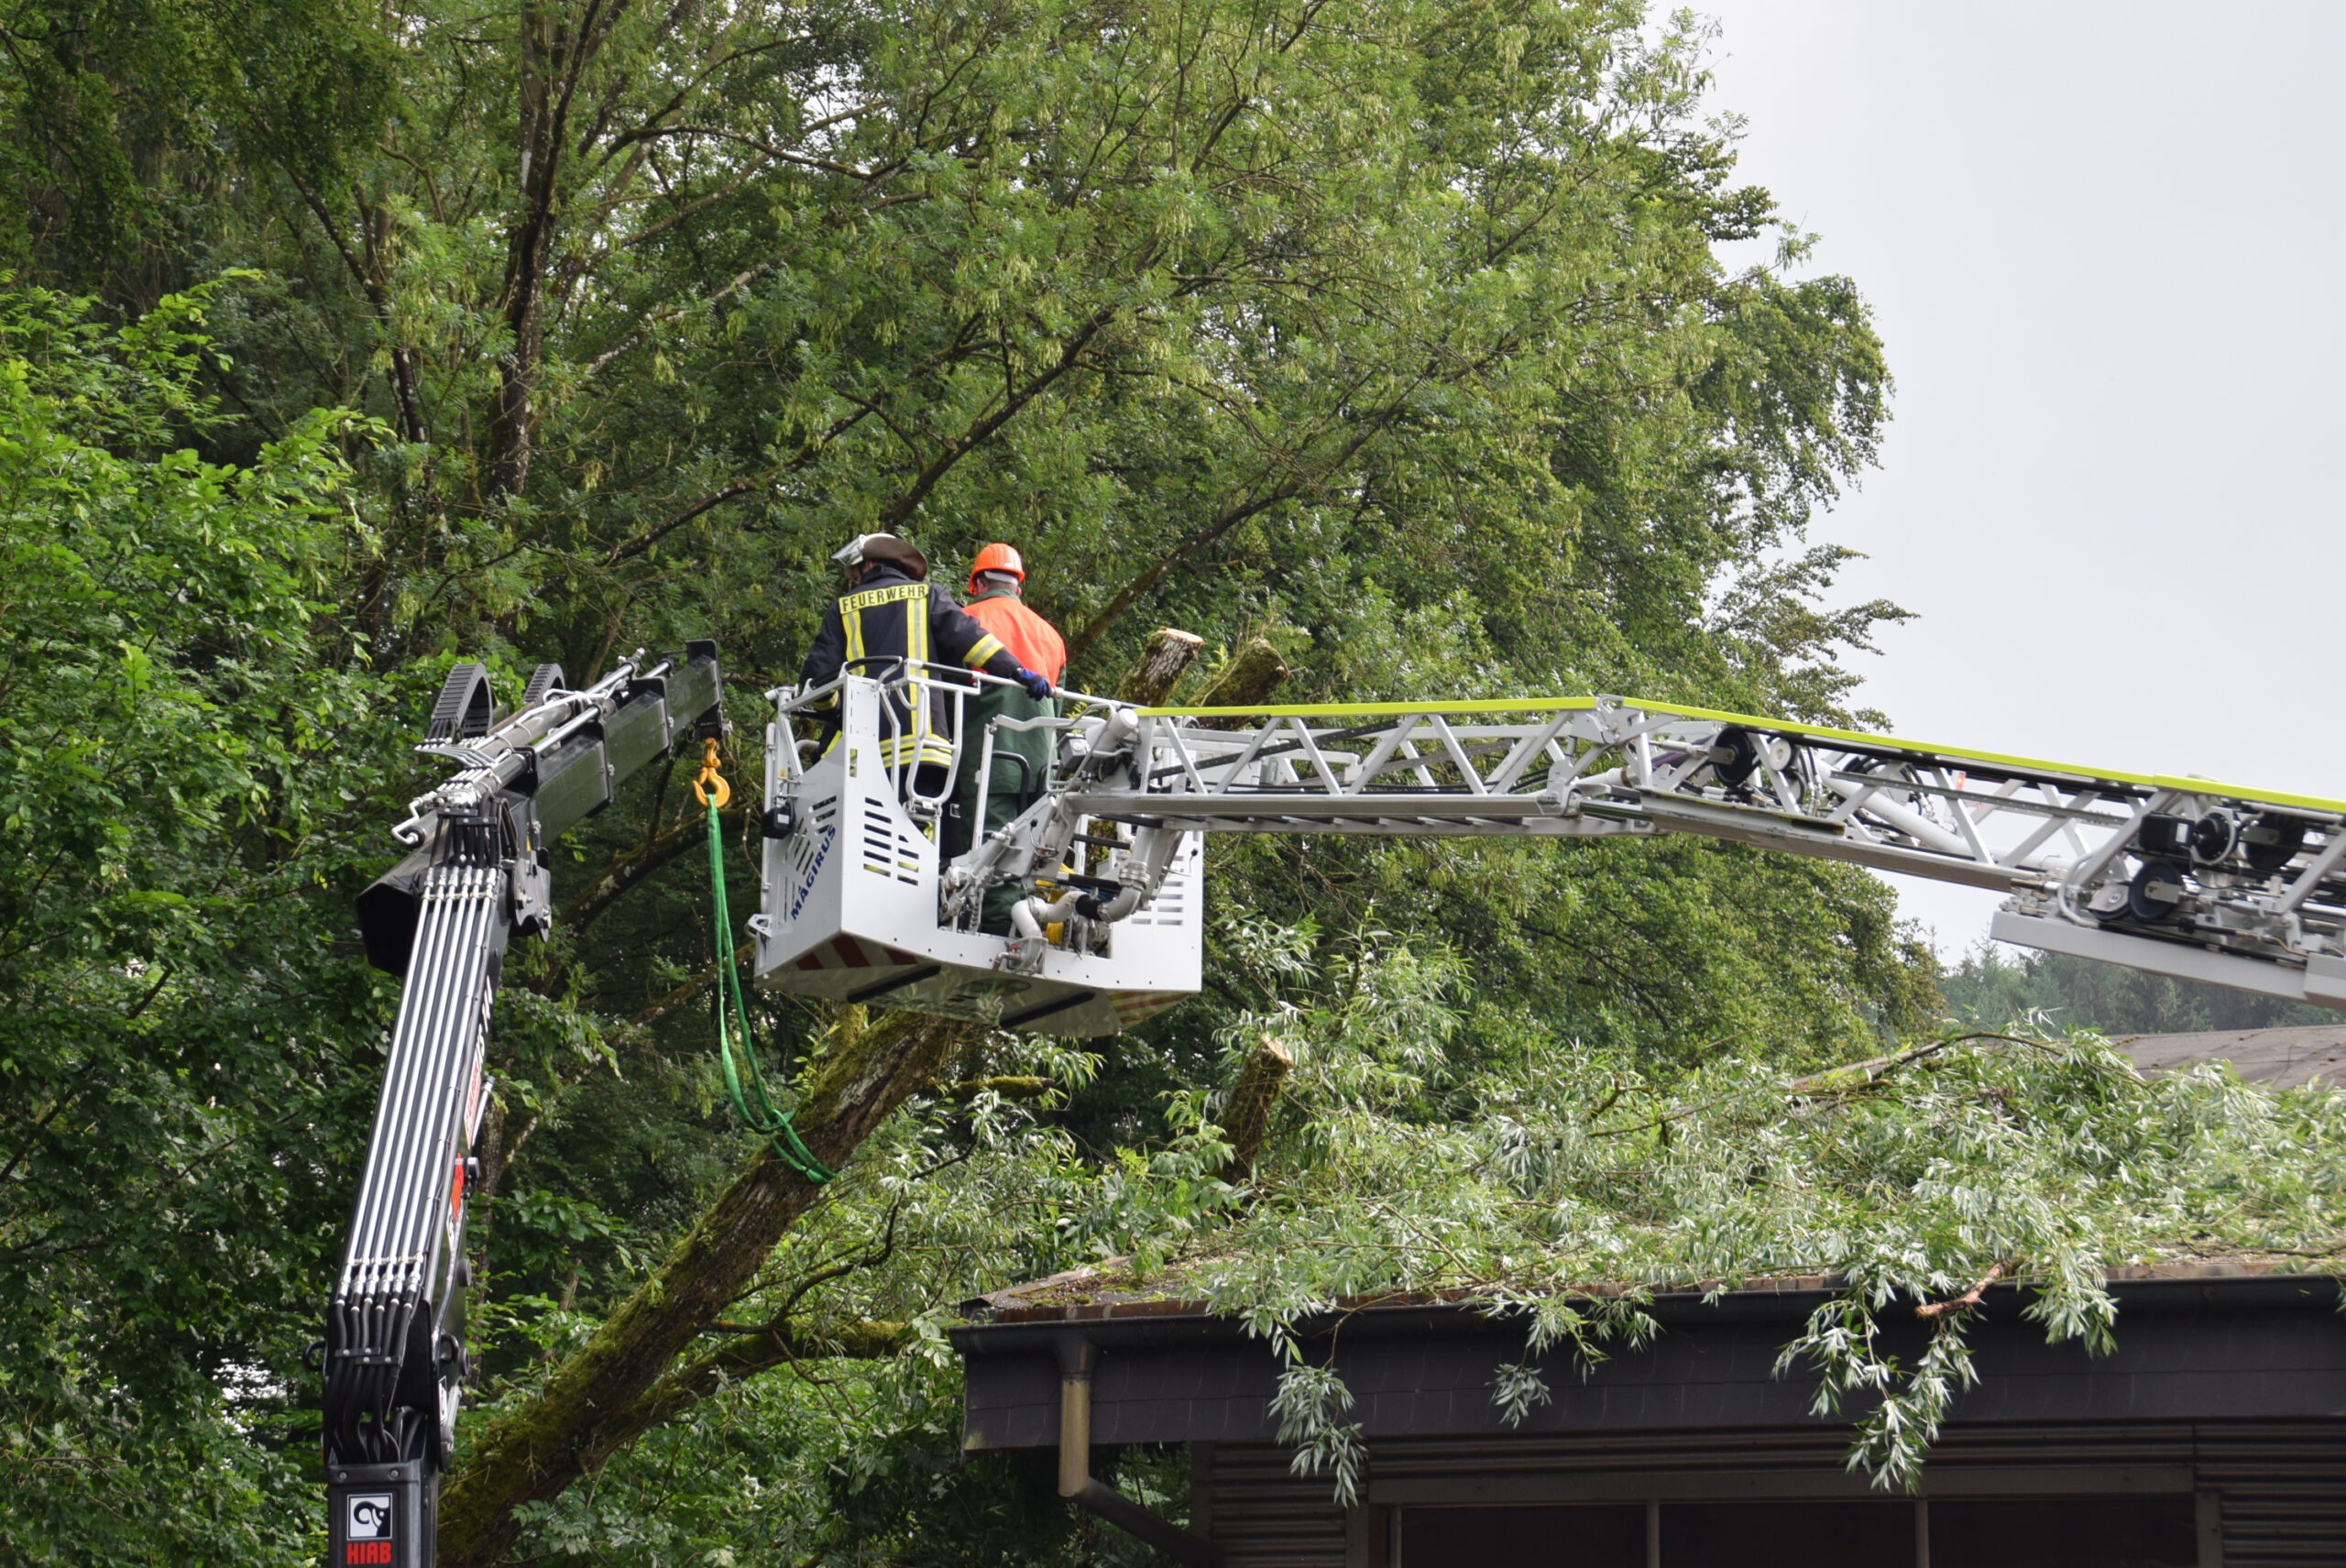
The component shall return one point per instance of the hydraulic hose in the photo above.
(1029, 915)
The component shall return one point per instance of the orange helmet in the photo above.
(997, 558)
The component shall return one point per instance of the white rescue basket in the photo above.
(853, 905)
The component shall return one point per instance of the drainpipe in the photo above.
(1077, 1357)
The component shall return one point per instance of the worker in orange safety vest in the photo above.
(997, 578)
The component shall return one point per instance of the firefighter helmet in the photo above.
(883, 547)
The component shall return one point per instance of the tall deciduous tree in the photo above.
(183, 1057)
(1397, 334)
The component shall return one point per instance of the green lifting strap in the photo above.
(733, 1012)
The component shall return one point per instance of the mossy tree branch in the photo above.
(761, 1349)
(601, 1399)
(1254, 672)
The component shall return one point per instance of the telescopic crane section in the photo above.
(395, 1354)
(2183, 877)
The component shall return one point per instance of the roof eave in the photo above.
(1026, 1329)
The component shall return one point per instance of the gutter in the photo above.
(1153, 1324)
(1078, 1356)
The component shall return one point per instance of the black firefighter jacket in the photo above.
(888, 617)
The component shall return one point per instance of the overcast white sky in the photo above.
(2103, 244)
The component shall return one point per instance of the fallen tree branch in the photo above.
(1833, 1079)
(1855, 1075)
(1964, 1302)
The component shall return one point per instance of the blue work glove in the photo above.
(1037, 686)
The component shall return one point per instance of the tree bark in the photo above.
(555, 50)
(1253, 672)
(527, 240)
(597, 1401)
(1247, 1116)
(1168, 656)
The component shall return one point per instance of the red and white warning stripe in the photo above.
(1132, 1006)
(844, 951)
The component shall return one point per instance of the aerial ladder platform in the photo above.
(2186, 877)
(394, 1357)
(1105, 856)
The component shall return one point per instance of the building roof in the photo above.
(2197, 1340)
(2285, 1059)
(1111, 1291)
(2245, 1335)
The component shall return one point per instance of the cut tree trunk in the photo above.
(1162, 663)
(1247, 1116)
(1253, 672)
(596, 1403)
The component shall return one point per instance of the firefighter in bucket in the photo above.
(997, 580)
(891, 620)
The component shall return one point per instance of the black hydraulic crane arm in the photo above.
(440, 919)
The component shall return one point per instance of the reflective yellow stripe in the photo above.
(921, 748)
(985, 647)
(1773, 725)
(919, 741)
(1375, 709)
(871, 597)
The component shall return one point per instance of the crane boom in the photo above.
(2186, 877)
(395, 1359)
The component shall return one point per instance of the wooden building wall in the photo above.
(2265, 1492)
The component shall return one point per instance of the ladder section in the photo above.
(2208, 880)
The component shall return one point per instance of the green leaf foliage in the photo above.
(183, 1063)
(2079, 994)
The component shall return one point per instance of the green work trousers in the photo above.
(1014, 788)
